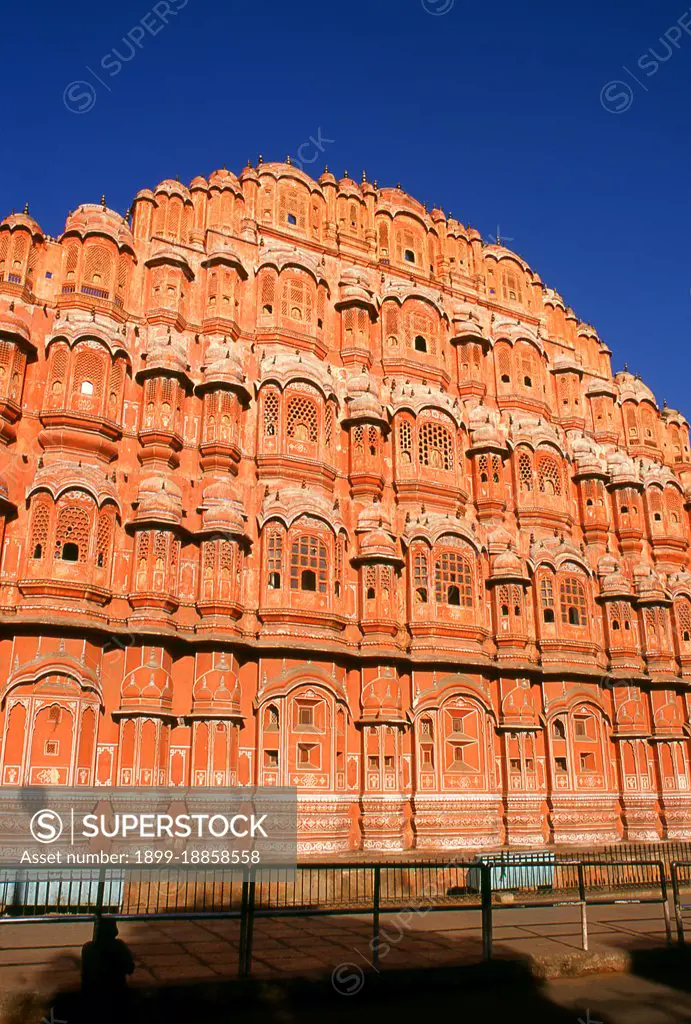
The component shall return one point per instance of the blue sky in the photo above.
(497, 112)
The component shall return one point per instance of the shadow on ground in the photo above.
(670, 966)
(503, 990)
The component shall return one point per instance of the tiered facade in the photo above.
(306, 485)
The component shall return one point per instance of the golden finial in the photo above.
(260, 161)
(103, 201)
(289, 160)
(364, 175)
(345, 173)
(26, 207)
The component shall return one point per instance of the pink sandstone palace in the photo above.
(303, 484)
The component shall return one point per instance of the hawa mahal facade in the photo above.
(303, 484)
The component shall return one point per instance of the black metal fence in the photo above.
(484, 885)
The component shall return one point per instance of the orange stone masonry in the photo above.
(305, 485)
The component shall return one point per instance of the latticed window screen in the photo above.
(71, 260)
(655, 503)
(631, 422)
(274, 559)
(270, 413)
(39, 528)
(392, 326)
(674, 507)
(546, 592)
(226, 560)
(549, 476)
(483, 468)
(73, 527)
(160, 550)
(573, 602)
(525, 472)
(338, 567)
(453, 580)
(358, 439)
(420, 574)
(405, 440)
(308, 554)
(373, 440)
(504, 599)
(296, 301)
(104, 536)
(435, 446)
(98, 267)
(328, 425)
(302, 419)
(370, 581)
(58, 371)
(4, 251)
(496, 469)
(115, 386)
(384, 238)
(683, 609)
(386, 577)
(268, 292)
(504, 364)
(89, 369)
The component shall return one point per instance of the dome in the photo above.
(632, 388)
(378, 545)
(223, 178)
(147, 687)
(381, 699)
(93, 219)
(356, 289)
(223, 252)
(508, 565)
(224, 364)
(159, 499)
(198, 182)
(217, 692)
(613, 582)
(221, 511)
(12, 326)
(172, 257)
(165, 351)
(649, 588)
(173, 188)
(22, 220)
(362, 399)
(327, 178)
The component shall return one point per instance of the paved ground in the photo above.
(45, 957)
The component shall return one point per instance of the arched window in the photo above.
(453, 580)
(558, 730)
(573, 602)
(302, 419)
(549, 476)
(683, 610)
(308, 566)
(547, 599)
(271, 719)
(525, 472)
(435, 446)
(72, 534)
(420, 583)
(405, 442)
(271, 406)
(297, 300)
(274, 561)
(40, 522)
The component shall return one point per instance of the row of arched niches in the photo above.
(265, 404)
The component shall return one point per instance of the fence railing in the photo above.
(373, 889)
(681, 879)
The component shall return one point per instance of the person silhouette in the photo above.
(106, 965)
